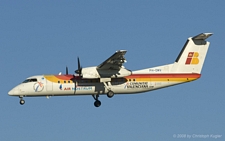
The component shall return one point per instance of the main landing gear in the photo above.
(110, 94)
(97, 102)
(21, 100)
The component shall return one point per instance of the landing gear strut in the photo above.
(21, 100)
(97, 103)
(110, 93)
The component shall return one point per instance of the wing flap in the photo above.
(114, 62)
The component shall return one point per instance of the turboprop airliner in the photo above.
(111, 77)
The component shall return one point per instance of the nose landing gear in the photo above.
(21, 100)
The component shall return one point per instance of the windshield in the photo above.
(30, 80)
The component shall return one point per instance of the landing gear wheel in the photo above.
(110, 94)
(22, 102)
(97, 103)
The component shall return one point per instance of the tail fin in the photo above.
(192, 56)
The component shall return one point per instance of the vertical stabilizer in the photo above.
(192, 56)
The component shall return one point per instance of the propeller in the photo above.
(79, 70)
(66, 70)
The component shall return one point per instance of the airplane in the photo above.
(111, 77)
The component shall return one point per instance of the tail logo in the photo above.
(192, 58)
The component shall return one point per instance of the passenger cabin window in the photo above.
(30, 80)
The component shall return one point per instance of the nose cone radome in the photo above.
(11, 92)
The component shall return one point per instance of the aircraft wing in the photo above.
(114, 62)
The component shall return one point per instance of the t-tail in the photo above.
(189, 61)
(192, 55)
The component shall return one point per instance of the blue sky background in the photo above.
(43, 37)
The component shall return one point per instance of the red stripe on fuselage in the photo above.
(182, 75)
(64, 77)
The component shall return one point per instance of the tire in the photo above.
(110, 94)
(22, 102)
(97, 103)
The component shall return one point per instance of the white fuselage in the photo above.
(64, 85)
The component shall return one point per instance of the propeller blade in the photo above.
(66, 70)
(79, 70)
(78, 60)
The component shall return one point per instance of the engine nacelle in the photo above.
(90, 72)
(114, 73)
(93, 72)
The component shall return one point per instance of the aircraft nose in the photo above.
(11, 92)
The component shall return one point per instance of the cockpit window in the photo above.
(30, 80)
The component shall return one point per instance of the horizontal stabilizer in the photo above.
(202, 36)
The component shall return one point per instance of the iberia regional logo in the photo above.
(192, 58)
(38, 87)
